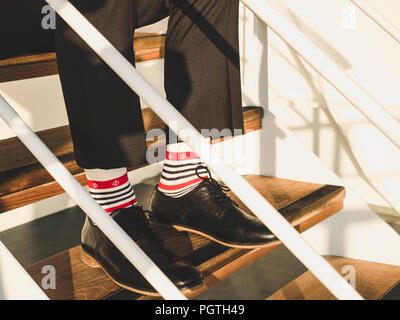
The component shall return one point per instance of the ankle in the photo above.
(182, 172)
(111, 189)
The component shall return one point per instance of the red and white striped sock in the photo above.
(111, 188)
(179, 172)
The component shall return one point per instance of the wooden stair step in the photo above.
(303, 205)
(372, 280)
(148, 46)
(24, 181)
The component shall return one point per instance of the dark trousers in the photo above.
(21, 30)
(202, 74)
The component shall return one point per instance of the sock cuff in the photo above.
(108, 184)
(181, 156)
(180, 174)
(104, 174)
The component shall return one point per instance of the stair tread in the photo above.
(148, 46)
(373, 281)
(303, 204)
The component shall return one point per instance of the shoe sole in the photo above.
(231, 245)
(91, 262)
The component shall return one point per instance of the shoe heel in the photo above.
(88, 260)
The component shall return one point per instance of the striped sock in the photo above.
(179, 172)
(110, 188)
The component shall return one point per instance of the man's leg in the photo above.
(202, 63)
(21, 30)
(107, 130)
(203, 82)
(104, 114)
(202, 72)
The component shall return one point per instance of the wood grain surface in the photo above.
(372, 281)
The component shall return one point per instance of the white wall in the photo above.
(323, 120)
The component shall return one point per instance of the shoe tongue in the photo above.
(135, 223)
(205, 182)
(133, 213)
(209, 183)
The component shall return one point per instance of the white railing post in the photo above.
(15, 281)
(244, 190)
(379, 19)
(322, 64)
(110, 228)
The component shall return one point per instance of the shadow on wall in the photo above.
(318, 97)
(341, 141)
(268, 146)
(314, 37)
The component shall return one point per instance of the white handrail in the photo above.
(322, 64)
(244, 190)
(110, 228)
(379, 19)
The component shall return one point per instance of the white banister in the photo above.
(244, 190)
(379, 19)
(322, 64)
(15, 281)
(110, 228)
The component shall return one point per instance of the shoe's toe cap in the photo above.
(184, 276)
(256, 233)
(261, 235)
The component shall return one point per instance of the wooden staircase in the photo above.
(303, 204)
(24, 181)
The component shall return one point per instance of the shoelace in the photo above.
(151, 243)
(131, 225)
(216, 189)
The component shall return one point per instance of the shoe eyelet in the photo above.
(219, 213)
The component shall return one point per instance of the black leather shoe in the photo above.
(99, 252)
(208, 211)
